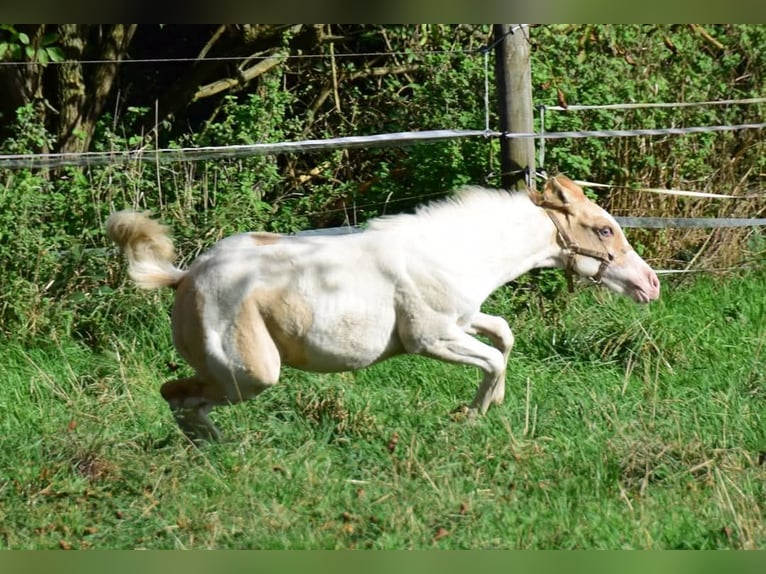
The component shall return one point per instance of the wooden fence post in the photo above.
(514, 87)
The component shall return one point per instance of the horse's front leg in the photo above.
(457, 346)
(496, 329)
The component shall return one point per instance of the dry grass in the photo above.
(733, 171)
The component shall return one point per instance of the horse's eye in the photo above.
(605, 232)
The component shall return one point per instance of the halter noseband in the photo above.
(571, 249)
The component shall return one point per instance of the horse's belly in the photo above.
(349, 342)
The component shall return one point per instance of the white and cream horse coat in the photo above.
(409, 283)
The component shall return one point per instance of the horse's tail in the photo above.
(147, 247)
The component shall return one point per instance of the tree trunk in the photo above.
(71, 85)
(23, 84)
(82, 101)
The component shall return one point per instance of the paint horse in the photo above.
(410, 283)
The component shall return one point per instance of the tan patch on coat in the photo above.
(288, 317)
(264, 238)
(188, 330)
(270, 329)
(582, 218)
(587, 220)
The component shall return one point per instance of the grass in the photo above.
(623, 427)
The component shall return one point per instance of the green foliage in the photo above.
(646, 63)
(62, 276)
(16, 45)
(27, 135)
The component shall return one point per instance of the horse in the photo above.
(409, 283)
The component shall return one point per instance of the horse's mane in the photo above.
(460, 205)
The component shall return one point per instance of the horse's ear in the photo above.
(555, 193)
(560, 190)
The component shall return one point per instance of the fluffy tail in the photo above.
(147, 247)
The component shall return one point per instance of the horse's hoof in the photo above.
(464, 413)
(200, 436)
(197, 427)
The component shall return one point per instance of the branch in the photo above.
(327, 88)
(210, 43)
(244, 77)
(706, 35)
(384, 71)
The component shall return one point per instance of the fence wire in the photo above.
(170, 155)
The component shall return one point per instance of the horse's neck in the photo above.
(521, 238)
(496, 242)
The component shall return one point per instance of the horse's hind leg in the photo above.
(190, 400)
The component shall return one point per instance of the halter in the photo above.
(571, 249)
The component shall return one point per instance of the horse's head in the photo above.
(593, 244)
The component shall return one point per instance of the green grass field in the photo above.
(623, 427)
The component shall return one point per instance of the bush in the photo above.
(61, 276)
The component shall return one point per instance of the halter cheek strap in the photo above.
(571, 250)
